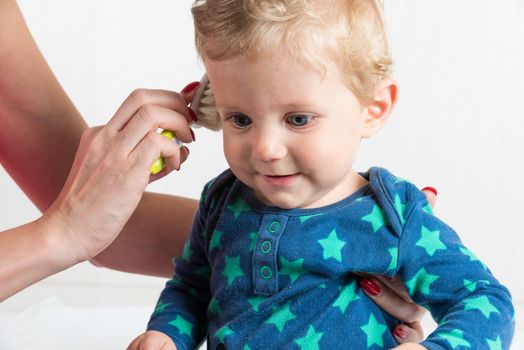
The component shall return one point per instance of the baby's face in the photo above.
(289, 133)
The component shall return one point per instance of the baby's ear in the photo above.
(377, 111)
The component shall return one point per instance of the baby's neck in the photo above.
(349, 185)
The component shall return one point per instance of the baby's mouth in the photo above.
(281, 180)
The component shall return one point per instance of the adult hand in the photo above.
(391, 295)
(111, 169)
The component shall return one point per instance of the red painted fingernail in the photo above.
(187, 150)
(401, 333)
(193, 134)
(429, 188)
(190, 87)
(193, 115)
(370, 286)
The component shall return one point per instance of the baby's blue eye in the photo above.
(241, 120)
(298, 119)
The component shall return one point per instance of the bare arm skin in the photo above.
(152, 237)
(104, 187)
(41, 127)
(40, 133)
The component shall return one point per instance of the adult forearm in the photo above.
(39, 135)
(152, 237)
(41, 128)
(32, 252)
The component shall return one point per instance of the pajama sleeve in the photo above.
(472, 309)
(181, 309)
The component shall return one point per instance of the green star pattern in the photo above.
(161, 306)
(186, 254)
(482, 304)
(193, 292)
(215, 240)
(253, 236)
(232, 269)
(183, 325)
(430, 241)
(255, 302)
(332, 246)
(444, 319)
(292, 268)
(428, 209)
(455, 338)
(394, 258)
(494, 344)
(223, 332)
(310, 340)
(348, 294)
(376, 218)
(213, 202)
(281, 316)
(472, 286)
(204, 271)
(239, 207)
(174, 282)
(471, 256)
(304, 218)
(421, 282)
(400, 208)
(214, 306)
(374, 331)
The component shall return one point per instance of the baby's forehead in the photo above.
(286, 84)
(281, 58)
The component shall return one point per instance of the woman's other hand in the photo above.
(391, 295)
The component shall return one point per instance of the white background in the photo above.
(458, 125)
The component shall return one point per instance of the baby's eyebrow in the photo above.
(298, 105)
(226, 108)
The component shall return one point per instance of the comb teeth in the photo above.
(195, 102)
(204, 105)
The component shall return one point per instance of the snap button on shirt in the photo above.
(265, 247)
(266, 272)
(274, 226)
(265, 255)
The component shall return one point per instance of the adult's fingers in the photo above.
(142, 97)
(184, 153)
(150, 148)
(409, 333)
(150, 118)
(431, 195)
(390, 301)
(189, 91)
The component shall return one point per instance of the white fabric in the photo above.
(53, 325)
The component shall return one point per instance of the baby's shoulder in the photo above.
(398, 197)
(216, 188)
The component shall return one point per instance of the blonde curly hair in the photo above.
(350, 32)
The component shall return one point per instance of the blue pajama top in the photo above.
(258, 277)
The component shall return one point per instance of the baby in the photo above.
(278, 240)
